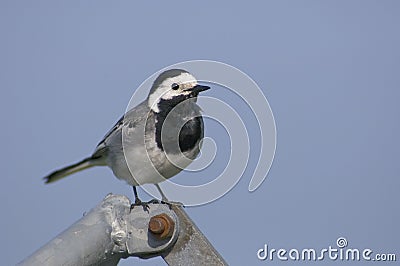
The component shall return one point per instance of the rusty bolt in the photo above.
(161, 226)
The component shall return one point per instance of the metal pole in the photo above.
(192, 247)
(112, 230)
(109, 232)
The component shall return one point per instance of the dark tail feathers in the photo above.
(66, 171)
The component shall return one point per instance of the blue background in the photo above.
(330, 70)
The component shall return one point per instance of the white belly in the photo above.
(136, 168)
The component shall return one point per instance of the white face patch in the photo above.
(165, 92)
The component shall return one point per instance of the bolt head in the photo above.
(156, 225)
(161, 226)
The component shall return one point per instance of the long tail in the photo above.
(66, 171)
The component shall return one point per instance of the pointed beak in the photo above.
(199, 88)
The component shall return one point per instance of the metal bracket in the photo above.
(112, 230)
(150, 232)
(109, 232)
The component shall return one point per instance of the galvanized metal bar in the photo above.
(192, 247)
(109, 232)
(112, 231)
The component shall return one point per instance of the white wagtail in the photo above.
(154, 140)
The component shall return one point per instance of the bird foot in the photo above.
(144, 204)
(146, 207)
(172, 203)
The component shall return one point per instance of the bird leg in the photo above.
(164, 199)
(138, 202)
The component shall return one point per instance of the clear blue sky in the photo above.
(330, 70)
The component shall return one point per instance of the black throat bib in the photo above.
(190, 133)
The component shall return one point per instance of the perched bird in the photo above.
(154, 140)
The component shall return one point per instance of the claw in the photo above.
(138, 202)
(153, 201)
(145, 205)
(172, 203)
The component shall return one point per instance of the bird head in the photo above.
(172, 87)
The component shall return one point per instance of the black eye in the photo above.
(175, 86)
